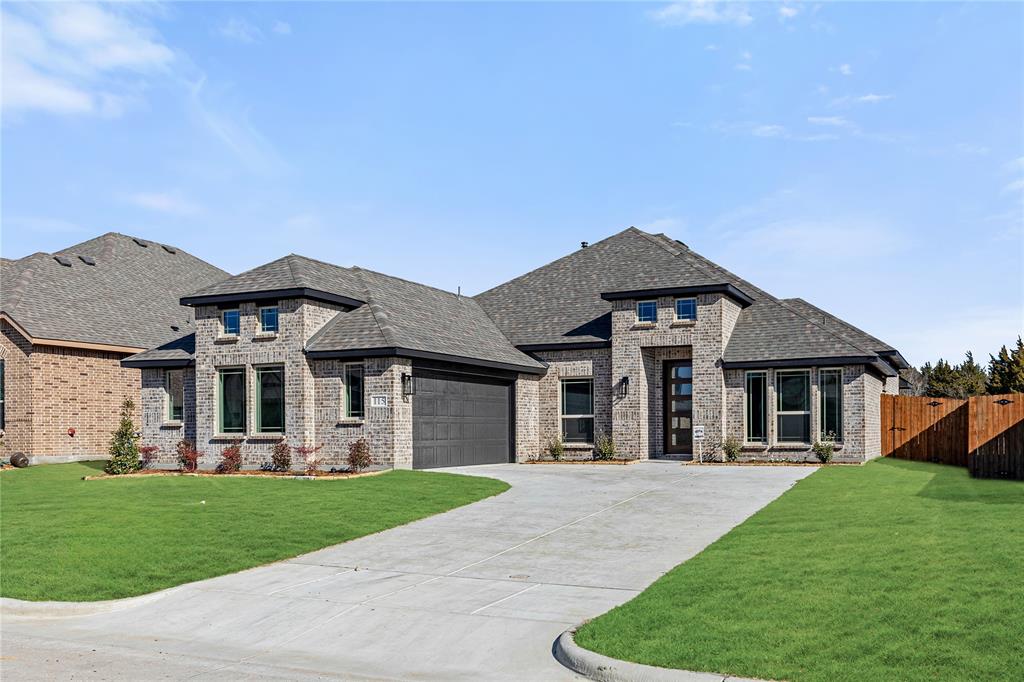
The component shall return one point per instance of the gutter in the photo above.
(397, 351)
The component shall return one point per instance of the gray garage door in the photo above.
(459, 420)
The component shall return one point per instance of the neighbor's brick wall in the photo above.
(892, 385)
(565, 364)
(51, 389)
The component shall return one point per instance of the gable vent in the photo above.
(140, 243)
(169, 249)
(63, 260)
(87, 260)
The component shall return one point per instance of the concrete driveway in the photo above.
(480, 592)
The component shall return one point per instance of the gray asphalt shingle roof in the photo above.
(129, 297)
(179, 351)
(290, 272)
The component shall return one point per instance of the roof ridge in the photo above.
(317, 260)
(356, 268)
(842, 338)
(13, 297)
(291, 267)
(385, 327)
(842, 323)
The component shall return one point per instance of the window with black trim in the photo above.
(174, 386)
(270, 399)
(793, 408)
(756, 399)
(830, 392)
(231, 399)
(354, 386)
(578, 410)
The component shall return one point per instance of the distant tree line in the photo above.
(1004, 374)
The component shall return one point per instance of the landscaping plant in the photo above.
(732, 447)
(359, 455)
(556, 448)
(188, 456)
(281, 457)
(147, 453)
(124, 446)
(604, 448)
(825, 448)
(231, 458)
(309, 458)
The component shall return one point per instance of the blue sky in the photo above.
(867, 157)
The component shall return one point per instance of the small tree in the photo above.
(188, 456)
(124, 446)
(231, 458)
(147, 454)
(309, 457)
(282, 456)
(1006, 371)
(825, 448)
(359, 455)
(732, 447)
(604, 448)
(556, 448)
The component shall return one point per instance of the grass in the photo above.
(65, 539)
(891, 571)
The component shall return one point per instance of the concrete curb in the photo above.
(594, 666)
(68, 609)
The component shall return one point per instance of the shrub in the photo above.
(147, 454)
(556, 448)
(825, 448)
(731, 447)
(604, 448)
(231, 458)
(124, 446)
(359, 455)
(309, 458)
(281, 459)
(188, 456)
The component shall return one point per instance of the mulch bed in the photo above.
(582, 461)
(769, 464)
(317, 476)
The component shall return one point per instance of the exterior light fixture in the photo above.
(624, 387)
(408, 385)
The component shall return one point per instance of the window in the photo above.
(686, 309)
(793, 394)
(270, 399)
(578, 410)
(830, 389)
(268, 320)
(647, 311)
(354, 391)
(174, 385)
(757, 407)
(3, 405)
(231, 321)
(231, 399)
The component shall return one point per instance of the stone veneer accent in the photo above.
(50, 389)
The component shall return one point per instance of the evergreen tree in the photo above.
(124, 447)
(943, 380)
(973, 378)
(1006, 372)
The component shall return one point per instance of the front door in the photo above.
(679, 407)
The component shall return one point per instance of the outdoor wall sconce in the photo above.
(408, 385)
(623, 387)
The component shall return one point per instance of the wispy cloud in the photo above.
(844, 69)
(788, 11)
(769, 130)
(849, 100)
(703, 12)
(832, 121)
(1014, 165)
(163, 202)
(65, 58)
(282, 28)
(1014, 187)
(971, 149)
(240, 30)
(744, 63)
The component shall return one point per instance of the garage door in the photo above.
(459, 420)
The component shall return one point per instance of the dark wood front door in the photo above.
(679, 407)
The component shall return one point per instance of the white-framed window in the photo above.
(830, 396)
(174, 387)
(686, 309)
(268, 319)
(577, 410)
(354, 393)
(793, 408)
(646, 311)
(231, 322)
(231, 399)
(755, 401)
(270, 399)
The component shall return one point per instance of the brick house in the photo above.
(67, 320)
(636, 337)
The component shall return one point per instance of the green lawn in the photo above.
(891, 571)
(63, 538)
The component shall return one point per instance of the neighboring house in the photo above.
(67, 321)
(635, 337)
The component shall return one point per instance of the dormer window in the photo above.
(686, 309)
(647, 311)
(268, 320)
(231, 321)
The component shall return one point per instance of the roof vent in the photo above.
(87, 260)
(63, 260)
(175, 327)
(169, 249)
(584, 245)
(140, 242)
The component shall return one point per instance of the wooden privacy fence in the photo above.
(983, 433)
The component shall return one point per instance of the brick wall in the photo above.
(527, 396)
(156, 428)
(590, 363)
(51, 389)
